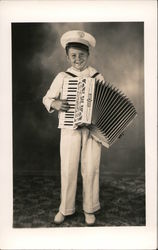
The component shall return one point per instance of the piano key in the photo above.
(72, 88)
(68, 120)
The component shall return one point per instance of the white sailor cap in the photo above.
(77, 36)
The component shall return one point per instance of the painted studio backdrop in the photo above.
(37, 57)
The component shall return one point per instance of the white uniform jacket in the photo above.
(55, 89)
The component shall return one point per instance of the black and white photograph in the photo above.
(59, 173)
(79, 125)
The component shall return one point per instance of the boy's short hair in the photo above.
(76, 46)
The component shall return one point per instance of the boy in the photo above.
(78, 143)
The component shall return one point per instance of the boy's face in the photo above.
(78, 58)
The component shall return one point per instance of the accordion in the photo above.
(105, 109)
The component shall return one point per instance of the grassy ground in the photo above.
(36, 201)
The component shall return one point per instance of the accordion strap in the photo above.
(69, 73)
(93, 76)
(73, 75)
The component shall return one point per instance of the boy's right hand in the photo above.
(60, 105)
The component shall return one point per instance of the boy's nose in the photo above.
(78, 57)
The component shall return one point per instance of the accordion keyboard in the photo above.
(79, 94)
(69, 93)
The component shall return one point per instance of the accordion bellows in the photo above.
(105, 109)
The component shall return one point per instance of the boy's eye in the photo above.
(79, 55)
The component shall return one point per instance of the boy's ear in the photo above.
(67, 57)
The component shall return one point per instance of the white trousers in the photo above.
(76, 145)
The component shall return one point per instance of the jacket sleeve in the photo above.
(53, 92)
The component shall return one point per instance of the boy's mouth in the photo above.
(79, 63)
